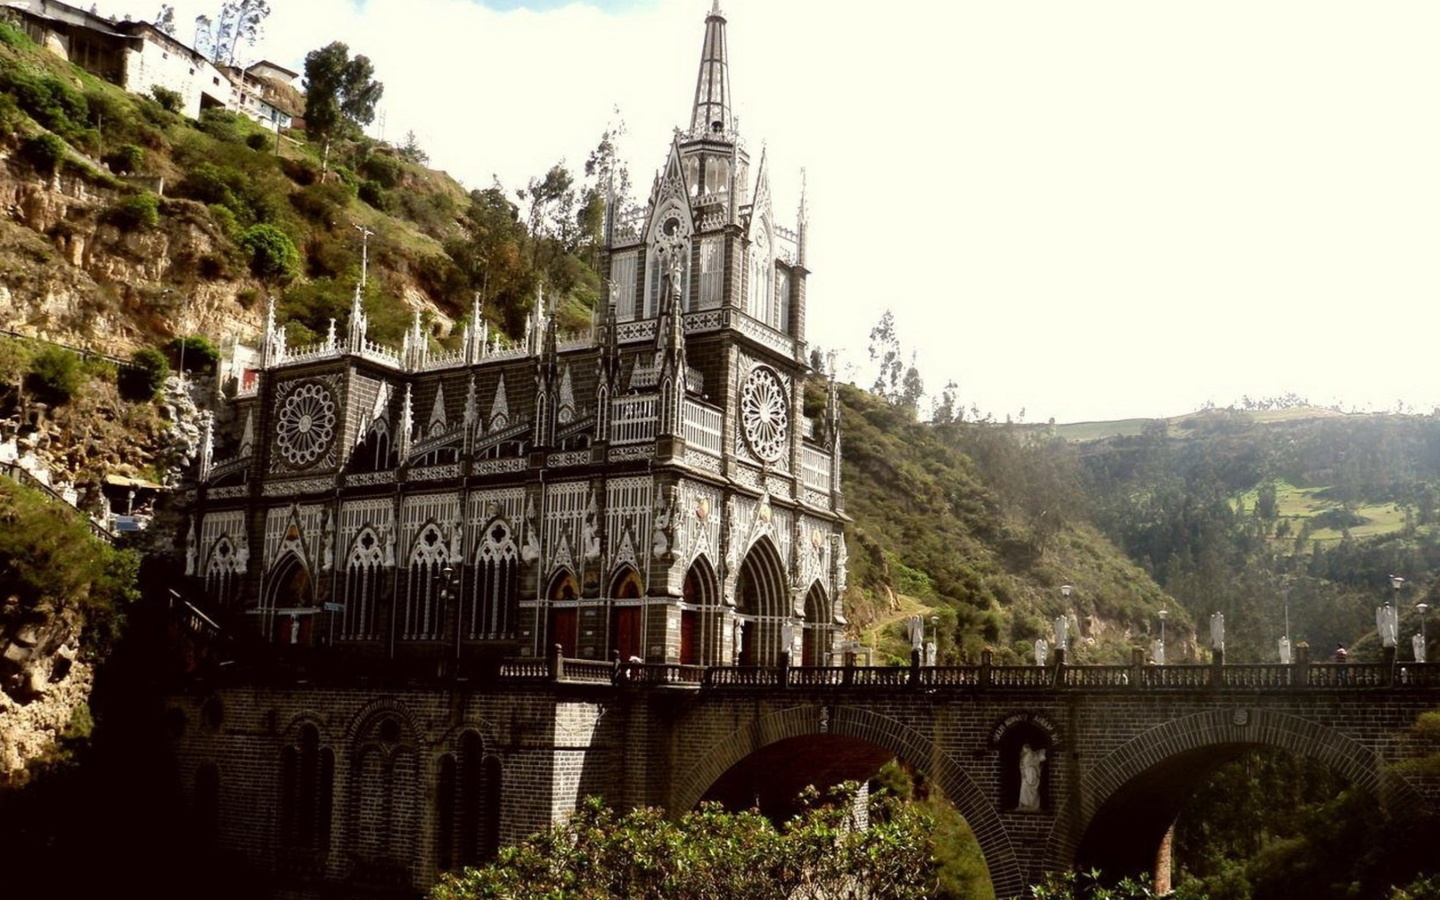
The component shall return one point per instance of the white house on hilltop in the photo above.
(139, 57)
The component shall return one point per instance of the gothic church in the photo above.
(383, 533)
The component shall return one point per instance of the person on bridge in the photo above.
(1341, 655)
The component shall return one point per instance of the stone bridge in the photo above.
(346, 784)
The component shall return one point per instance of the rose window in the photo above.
(764, 414)
(307, 424)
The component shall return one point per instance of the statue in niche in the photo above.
(1032, 762)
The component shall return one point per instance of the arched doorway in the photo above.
(761, 598)
(701, 628)
(564, 624)
(288, 590)
(819, 636)
(626, 614)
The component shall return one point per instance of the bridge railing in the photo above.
(1137, 676)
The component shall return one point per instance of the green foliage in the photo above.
(324, 203)
(51, 566)
(340, 92)
(136, 211)
(258, 140)
(170, 101)
(143, 379)
(193, 353)
(224, 125)
(12, 36)
(47, 98)
(710, 853)
(127, 159)
(1090, 886)
(273, 256)
(372, 193)
(10, 115)
(55, 375)
(44, 151)
(381, 168)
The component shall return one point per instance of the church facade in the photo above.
(379, 535)
(651, 488)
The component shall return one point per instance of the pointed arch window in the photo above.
(622, 280)
(762, 268)
(222, 574)
(364, 578)
(491, 612)
(307, 792)
(426, 581)
(712, 272)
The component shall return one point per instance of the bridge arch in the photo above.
(810, 721)
(1194, 744)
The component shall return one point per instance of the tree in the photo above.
(900, 385)
(340, 92)
(165, 19)
(412, 150)
(272, 254)
(238, 20)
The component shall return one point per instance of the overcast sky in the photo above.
(1082, 210)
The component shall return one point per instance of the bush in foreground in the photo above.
(708, 852)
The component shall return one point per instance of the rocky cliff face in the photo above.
(71, 276)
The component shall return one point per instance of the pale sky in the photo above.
(1082, 210)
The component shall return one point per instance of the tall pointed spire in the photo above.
(712, 88)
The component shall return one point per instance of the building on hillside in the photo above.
(139, 57)
(650, 488)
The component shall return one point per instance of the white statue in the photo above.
(1042, 652)
(1062, 629)
(1031, 761)
(1157, 651)
(1217, 631)
(1387, 624)
(1284, 651)
(1417, 643)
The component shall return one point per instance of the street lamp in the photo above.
(1387, 617)
(1422, 606)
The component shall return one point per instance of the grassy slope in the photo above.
(932, 537)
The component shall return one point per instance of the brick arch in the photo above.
(377, 708)
(308, 716)
(905, 742)
(1215, 729)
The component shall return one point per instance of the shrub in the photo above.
(170, 101)
(11, 35)
(272, 254)
(381, 168)
(258, 140)
(321, 202)
(223, 125)
(48, 100)
(193, 353)
(224, 219)
(44, 151)
(142, 380)
(302, 170)
(55, 375)
(373, 194)
(10, 115)
(135, 212)
(129, 158)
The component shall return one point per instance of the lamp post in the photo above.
(933, 651)
(1062, 622)
(1387, 616)
(1160, 655)
(1422, 606)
